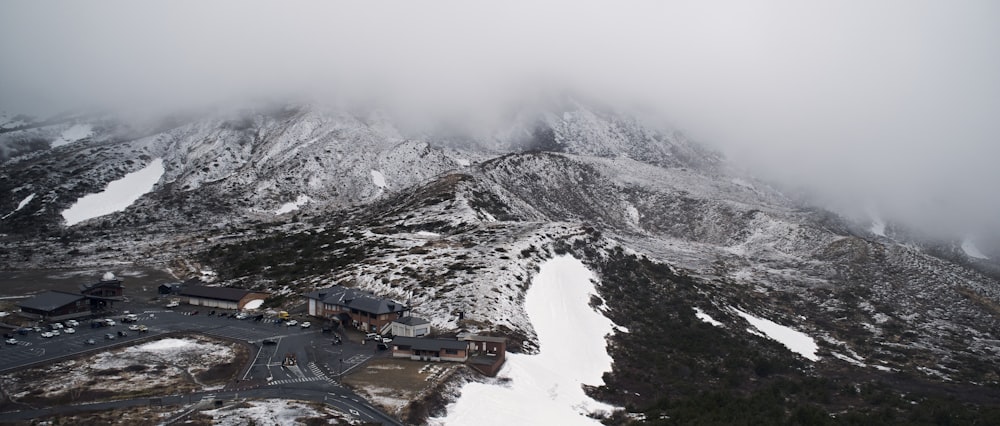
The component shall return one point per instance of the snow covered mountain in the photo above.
(293, 198)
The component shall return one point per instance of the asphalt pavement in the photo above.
(319, 363)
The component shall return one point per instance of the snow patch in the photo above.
(633, 214)
(268, 412)
(378, 179)
(73, 134)
(117, 196)
(24, 202)
(878, 227)
(547, 388)
(795, 341)
(705, 317)
(253, 304)
(971, 250)
(166, 345)
(293, 205)
(463, 162)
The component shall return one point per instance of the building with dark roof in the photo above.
(104, 293)
(430, 349)
(220, 297)
(486, 353)
(55, 306)
(410, 326)
(358, 308)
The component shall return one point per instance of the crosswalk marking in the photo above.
(296, 380)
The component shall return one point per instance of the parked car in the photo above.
(134, 327)
(11, 341)
(292, 323)
(109, 336)
(173, 304)
(130, 318)
(70, 330)
(306, 324)
(73, 323)
(110, 322)
(90, 342)
(371, 336)
(143, 329)
(54, 332)
(47, 334)
(56, 326)
(242, 316)
(122, 334)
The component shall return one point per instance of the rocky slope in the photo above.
(459, 224)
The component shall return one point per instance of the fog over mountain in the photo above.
(888, 106)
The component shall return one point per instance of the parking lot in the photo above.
(317, 359)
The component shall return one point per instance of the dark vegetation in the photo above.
(676, 369)
(287, 257)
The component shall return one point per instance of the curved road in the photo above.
(298, 382)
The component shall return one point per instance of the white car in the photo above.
(70, 330)
(306, 324)
(292, 323)
(54, 332)
(47, 334)
(73, 323)
(134, 327)
(173, 304)
(57, 326)
(11, 341)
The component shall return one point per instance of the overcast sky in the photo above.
(893, 103)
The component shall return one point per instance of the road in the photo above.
(340, 398)
(315, 376)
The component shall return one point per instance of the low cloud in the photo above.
(891, 105)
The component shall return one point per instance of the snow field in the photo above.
(547, 388)
(971, 250)
(117, 196)
(293, 205)
(705, 317)
(73, 134)
(795, 341)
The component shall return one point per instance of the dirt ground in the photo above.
(394, 384)
(135, 416)
(177, 364)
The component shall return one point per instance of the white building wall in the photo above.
(212, 303)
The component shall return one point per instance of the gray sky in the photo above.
(894, 103)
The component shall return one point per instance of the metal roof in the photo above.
(102, 283)
(422, 344)
(218, 293)
(356, 299)
(50, 300)
(411, 321)
(478, 338)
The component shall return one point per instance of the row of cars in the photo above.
(58, 328)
